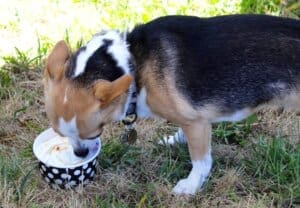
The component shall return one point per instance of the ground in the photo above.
(256, 162)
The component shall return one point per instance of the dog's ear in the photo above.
(106, 91)
(56, 61)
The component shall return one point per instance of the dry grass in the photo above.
(283, 123)
(136, 178)
(138, 175)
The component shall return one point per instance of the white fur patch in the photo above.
(84, 55)
(142, 108)
(69, 129)
(196, 178)
(236, 116)
(118, 50)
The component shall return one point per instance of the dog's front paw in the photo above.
(186, 187)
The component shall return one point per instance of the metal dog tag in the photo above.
(129, 136)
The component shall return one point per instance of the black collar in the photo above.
(130, 115)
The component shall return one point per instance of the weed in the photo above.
(292, 8)
(22, 186)
(27, 152)
(276, 166)
(109, 201)
(5, 82)
(79, 43)
(175, 162)
(13, 178)
(20, 62)
(115, 154)
(260, 6)
(42, 50)
(287, 8)
(4, 79)
(9, 169)
(235, 133)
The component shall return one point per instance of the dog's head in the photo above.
(87, 89)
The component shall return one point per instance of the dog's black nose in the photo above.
(82, 152)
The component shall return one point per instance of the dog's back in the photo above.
(234, 62)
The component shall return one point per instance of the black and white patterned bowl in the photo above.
(68, 176)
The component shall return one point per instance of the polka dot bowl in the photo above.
(68, 176)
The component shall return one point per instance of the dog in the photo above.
(188, 70)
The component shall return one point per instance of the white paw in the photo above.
(186, 187)
(167, 140)
(178, 137)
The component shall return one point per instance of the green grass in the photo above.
(289, 8)
(175, 164)
(275, 164)
(261, 6)
(14, 178)
(253, 167)
(273, 167)
(5, 81)
(20, 62)
(115, 154)
(235, 132)
(109, 201)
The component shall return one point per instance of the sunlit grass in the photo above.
(250, 169)
(49, 21)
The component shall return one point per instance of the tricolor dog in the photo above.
(191, 71)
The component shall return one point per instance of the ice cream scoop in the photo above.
(59, 165)
(58, 151)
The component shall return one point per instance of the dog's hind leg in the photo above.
(198, 135)
(178, 137)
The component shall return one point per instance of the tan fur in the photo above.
(56, 61)
(92, 107)
(106, 91)
(198, 138)
(79, 103)
(165, 101)
(90, 116)
(163, 98)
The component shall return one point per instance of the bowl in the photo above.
(59, 174)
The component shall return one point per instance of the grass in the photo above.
(256, 162)
(277, 169)
(14, 179)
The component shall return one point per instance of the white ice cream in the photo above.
(58, 151)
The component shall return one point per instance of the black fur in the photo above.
(100, 65)
(231, 61)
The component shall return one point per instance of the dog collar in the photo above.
(130, 112)
(130, 115)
